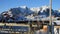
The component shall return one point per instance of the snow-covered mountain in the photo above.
(24, 13)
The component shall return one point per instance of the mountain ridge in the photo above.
(24, 13)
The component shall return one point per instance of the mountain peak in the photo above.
(58, 10)
(23, 6)
(45, 6)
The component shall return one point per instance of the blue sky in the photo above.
(7, 4)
